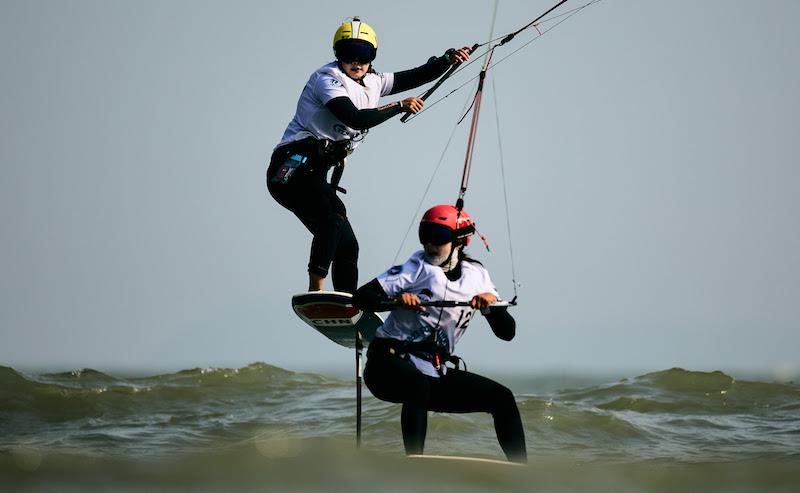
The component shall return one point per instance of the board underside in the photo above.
(333, 315)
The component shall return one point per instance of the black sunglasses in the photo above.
(435, 234)
(356, 52)
(354, 60)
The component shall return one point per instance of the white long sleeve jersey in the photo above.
(430, 283)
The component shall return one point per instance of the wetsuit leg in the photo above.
(463, 392)
(393, 379)
(318, 207)
(324, 215)
(345, 260)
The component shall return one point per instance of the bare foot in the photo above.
(315, 282)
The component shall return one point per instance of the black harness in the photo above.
(313, 156)
(427, 350)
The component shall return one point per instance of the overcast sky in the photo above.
(651, 155)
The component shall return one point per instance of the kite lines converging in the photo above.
(542, 24)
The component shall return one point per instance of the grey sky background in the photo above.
(651, 158)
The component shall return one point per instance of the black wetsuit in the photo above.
(314, 201)
(392, 377)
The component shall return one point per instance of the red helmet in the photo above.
(445, 223)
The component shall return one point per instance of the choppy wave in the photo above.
(688, 392)
(671, 414)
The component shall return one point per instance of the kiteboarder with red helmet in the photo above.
(438, 291)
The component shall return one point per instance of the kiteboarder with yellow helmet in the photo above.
(336, 109)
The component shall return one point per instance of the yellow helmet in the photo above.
(355, 34)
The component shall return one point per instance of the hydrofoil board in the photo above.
(333, 315)
(457, 458)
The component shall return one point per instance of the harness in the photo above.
(428, 350)
(314, 156)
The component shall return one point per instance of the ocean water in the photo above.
(265, 428)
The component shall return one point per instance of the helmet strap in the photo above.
(453, 259)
